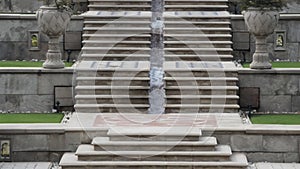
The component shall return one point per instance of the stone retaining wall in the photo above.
(276, 144)
(14, 37)
(244, 43)
(49, 142)
(31, 89)
(279, 88)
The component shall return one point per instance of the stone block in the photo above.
(10, 102)
(246, 143)
(263, 157)
(30, 156)
(291, 157)
(36, 103)
(223, 139)
(239, 25)
(295, 103)
(57, 142)
(272, 84)
(277, 103)
(18, 84)
(48, 81)
(280, 143)
(72, 140)
(30, 143)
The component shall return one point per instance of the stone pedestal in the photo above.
(261, 23)
(261, 55)
(53, 23)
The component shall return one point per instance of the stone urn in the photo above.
(53, 23)
(261, 23)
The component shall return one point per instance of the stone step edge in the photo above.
(86, 87)
(177, 78)
(146, 97)
(69, 159)
(88, 150)
(183, 106)
(203, 141)
(154, 131)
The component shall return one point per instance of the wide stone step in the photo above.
(70, 161)
(147, 7)
(203, 144)
(146, 23)
(144, 99)
(87, 153)
(170, 81)
(143, 90)
(145, 57)
(147, 36)
(143, 108)
(168, 44)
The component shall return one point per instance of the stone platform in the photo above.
(105, 121)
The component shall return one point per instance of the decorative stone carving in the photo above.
(261, 23)
(53, 23)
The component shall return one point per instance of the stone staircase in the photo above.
(113, 75)
(153, 147)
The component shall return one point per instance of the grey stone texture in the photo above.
(288, 23)
(31, 6)
(31, 90)
(279, 88)
(246, 143)
(14, 35)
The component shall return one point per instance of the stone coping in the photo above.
(80, 17)
(11, 70)
(289, 71)
(282, 17)
(30, 16)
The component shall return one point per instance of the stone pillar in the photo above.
(157, 91)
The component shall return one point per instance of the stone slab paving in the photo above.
(21, 165)
(277, 166)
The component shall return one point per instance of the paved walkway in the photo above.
(277, 166)
(32, 165)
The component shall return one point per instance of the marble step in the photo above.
(144, 99)
(146, 23)
(143, 108)
(170, 81)
(87, 153)
(145, 57)
(203, 144)
(70, 161)
(168, 44)
(147, 7)
(147, 36)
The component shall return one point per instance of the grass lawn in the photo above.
(279, 65)
(291, 119)
(31, 118)
(26, 64)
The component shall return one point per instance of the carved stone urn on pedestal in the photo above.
(261, 23)
(53, 23)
